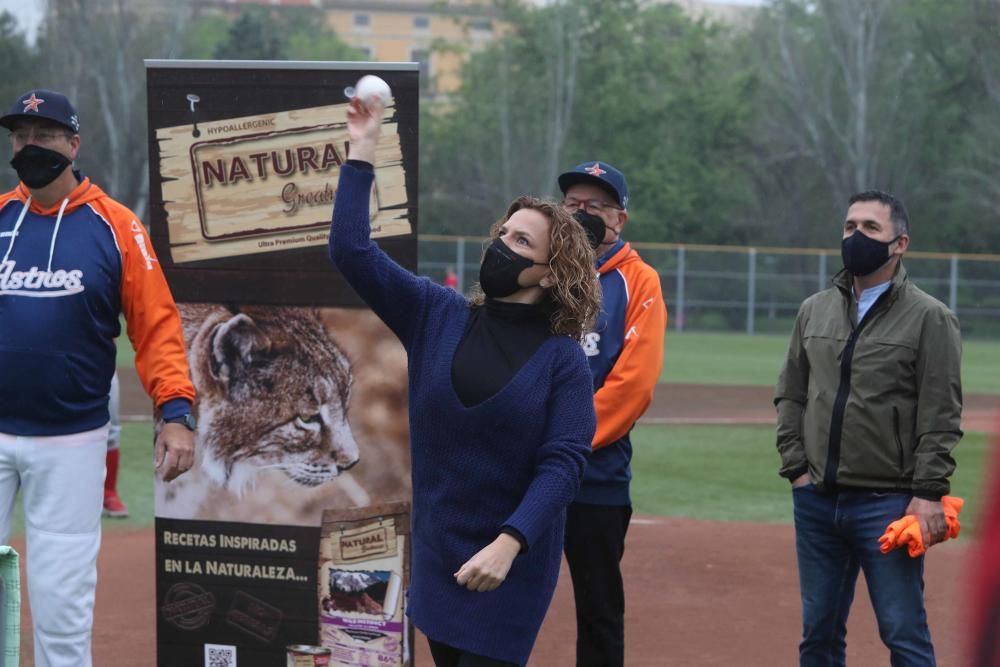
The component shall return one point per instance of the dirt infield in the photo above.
(698, 593)
(672, 404)
(692, 599)
(737, 404)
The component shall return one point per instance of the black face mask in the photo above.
(500, 268)
(863, 255)
(593, 225)
(37, 166)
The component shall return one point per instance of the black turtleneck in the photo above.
(499, 338)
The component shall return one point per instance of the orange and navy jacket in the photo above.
(625, 351)
(66, 273)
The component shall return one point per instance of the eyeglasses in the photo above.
(592, 206)
(23, 136)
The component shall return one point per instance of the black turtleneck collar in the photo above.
(499, 338)
(535, 313)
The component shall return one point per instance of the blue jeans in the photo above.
(835, 536)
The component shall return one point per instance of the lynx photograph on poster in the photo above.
(267, 182)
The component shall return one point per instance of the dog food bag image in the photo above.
(363, 574)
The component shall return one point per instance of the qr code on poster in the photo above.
(220, 655)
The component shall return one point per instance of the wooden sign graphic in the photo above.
(263, 183)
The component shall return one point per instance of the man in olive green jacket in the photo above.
(869, 406)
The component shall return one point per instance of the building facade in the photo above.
(437, 34)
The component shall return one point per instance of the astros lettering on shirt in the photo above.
(66, 273)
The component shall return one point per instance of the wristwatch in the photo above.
(186, 419)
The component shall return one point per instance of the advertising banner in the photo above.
(301, 390)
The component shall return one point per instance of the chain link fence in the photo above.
(759, 290)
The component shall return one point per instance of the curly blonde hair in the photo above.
(575, 295)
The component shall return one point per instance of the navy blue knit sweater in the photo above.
(515, 460)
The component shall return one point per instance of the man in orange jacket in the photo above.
(71, 261)
(625, 350)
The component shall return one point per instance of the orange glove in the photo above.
(893, 537)
(906, 531)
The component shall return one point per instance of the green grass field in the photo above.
(135, 480)
(135, 476)
(724, 473)
(701, 472)
(730, 358)
(729, 473)
(723, 358)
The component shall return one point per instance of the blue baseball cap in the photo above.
(601, 174)
(46, 104)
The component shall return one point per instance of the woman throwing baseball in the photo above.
(501, 411)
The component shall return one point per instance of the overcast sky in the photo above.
(27, 12)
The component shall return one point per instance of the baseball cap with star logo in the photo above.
(598, 173)
(46, 104)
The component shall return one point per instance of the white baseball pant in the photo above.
(63, 480)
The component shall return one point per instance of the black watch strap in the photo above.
(186, 419)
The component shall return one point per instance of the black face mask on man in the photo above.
(593, 225)
(37, 166)
(864, 255)
(500, 269)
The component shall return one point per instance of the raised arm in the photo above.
(397, 296)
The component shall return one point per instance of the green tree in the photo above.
(309, 37)
(642, 86)
(93, 50)
(293, 33)
(20, 60)
(204, 35)
(972, 53)
(859, 94)
(252, 36)
(667, 99)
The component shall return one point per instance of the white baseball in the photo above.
(370, 86)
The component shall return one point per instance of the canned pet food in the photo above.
(302, 655)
